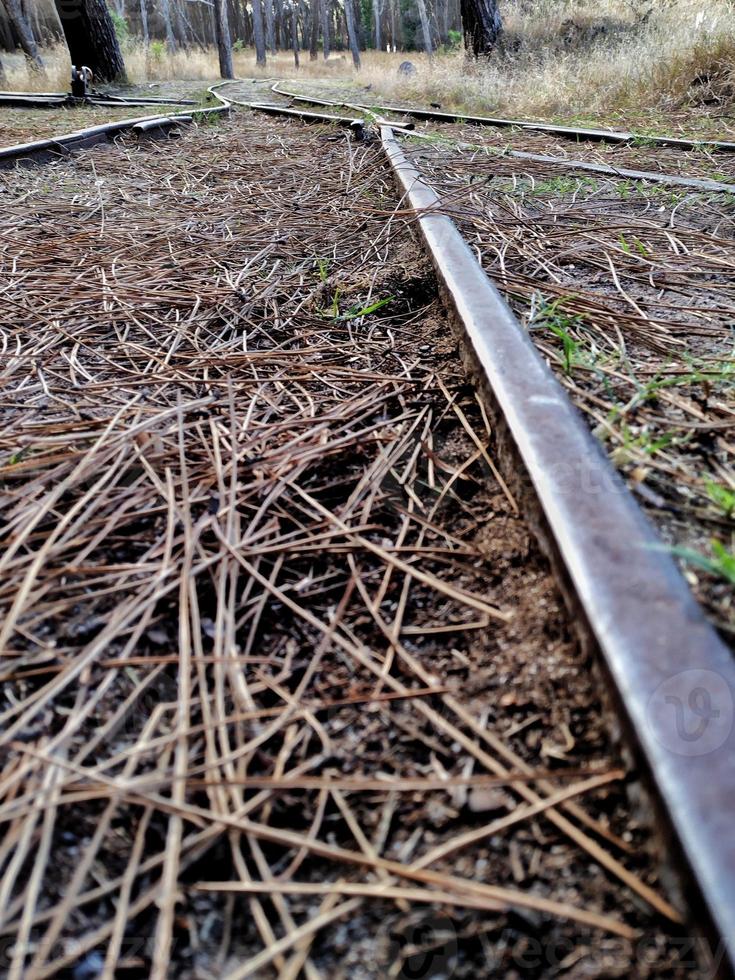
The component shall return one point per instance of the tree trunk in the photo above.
(280, 25)
(294, 34)
(270, 34)
(481, 24)
(426, 26)
(314, 38)
(181, 22)
(258, 35)
(7, 42)
(442, 19)
(377, 11)
(24, 33)
(224, 43)
(90, 37)
(326, 16)
(144, 22)
(352, 33)
(165, 7)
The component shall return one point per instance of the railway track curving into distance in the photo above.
(627, 600)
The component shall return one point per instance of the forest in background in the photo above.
(552, 57)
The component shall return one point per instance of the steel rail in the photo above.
(28, 100)
(658, 649)
(702, 184)
(33, 100)
(302, 114)
(39, 150)
(568, 132)
(272, 109)
(699, 184)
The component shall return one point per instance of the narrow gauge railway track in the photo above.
(567, 132)
(51, 148)
(60, 100)
(650, 632)
(554, 163)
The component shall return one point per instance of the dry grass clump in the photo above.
(154, 63)
(560, 58)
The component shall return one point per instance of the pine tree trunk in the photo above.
(280, 25)
(144, 22)
(23, 32)
(182, 27)
(165, 7)
(426, 27)
(7, 42)
(377, 10)
(224, 43)
(90, 37)
(352, 33)
(442, 17)
(481, 24)
(314, 38)
(258, 35)
(270, 34)
(326, 17)
(294, 34)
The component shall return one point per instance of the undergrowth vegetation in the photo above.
(570, 58)
(577, 57)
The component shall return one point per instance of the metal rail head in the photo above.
(673, 675)
(41, 151)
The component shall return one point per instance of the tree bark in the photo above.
(326, 16)
(224, 42)
(258, 35)
(377, 11)
(294, 34)
(314, 38)
(352, 33)
(144, 22)
(280, 25)
(481, 24)
(426, 27)
(442, 19)
(270, 34)
(181, 21)
(23, 32)
(90, 37)
(165, 7)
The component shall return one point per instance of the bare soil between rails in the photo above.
(270, 621)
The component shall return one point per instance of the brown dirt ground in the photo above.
(270, 243)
